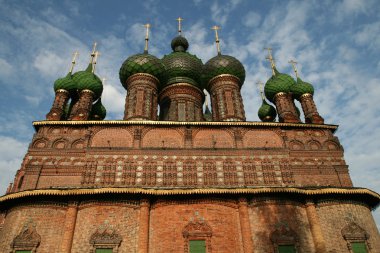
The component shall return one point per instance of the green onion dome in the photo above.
(87, 80)
(301, 88)
(182, 66)
(66, 83)
(142, 63)
(223, 64)
(267, 112)
(278, 83)
(98, 111)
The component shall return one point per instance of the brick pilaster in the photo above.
(315, 227)
(143, 244)
(245, 225)
(69, 227)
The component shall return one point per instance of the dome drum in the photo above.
(141, 99)
(285, 109)
(59, 104)
(84, 105)
(226, 99)
(181, 102)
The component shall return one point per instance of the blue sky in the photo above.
(337, 45)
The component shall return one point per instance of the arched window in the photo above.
(105, 240)
(284, 239)
(27, 240)
(197, 235)
(356, 238)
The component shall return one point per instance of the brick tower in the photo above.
(183, 181)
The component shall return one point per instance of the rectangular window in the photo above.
(359, 247)
(197, 246)
(103, 250)
(286, 249)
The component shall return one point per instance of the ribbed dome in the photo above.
(98, 111)
(182, 66)
(267, 112)
(86, 80)
(301, 88)
(278, 83)
(223, 64)
(142, 63)
(66, 83)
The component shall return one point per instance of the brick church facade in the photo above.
(185, 179)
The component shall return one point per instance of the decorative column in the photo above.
(181, 102)
(245, 225)
(84, 105)
(315, 227)
(143, 244)
(286, 111)
(226, 100)
(69, 227)
(310, 110)
(141, 99)
(58, 107)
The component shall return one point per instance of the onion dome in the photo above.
(182, 66)
(66, 83)
(98, 111)
(223, 64)
(301, 88)
(142, 63)
(278, 83)
(86, 80)
(267, 112)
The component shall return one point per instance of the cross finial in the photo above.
(179, 19)
(96, 54)
(216, 28)
(271, 60)
(260, 84)
(73, 61)
(92, 55)
(294, 64)
(147, 26)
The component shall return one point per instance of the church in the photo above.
(179, 175)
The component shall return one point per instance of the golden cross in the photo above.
(147, 26)
(96, 54)
(93, 52)
(271, 60)
(261, 88)
(294, 64)
(179, 19)
(216, 28)
(73, 61)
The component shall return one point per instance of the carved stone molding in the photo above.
(105, 237)
(27, 239)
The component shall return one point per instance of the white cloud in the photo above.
(221, 12)
(252, 19)
(11, 154)
(6, 69)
